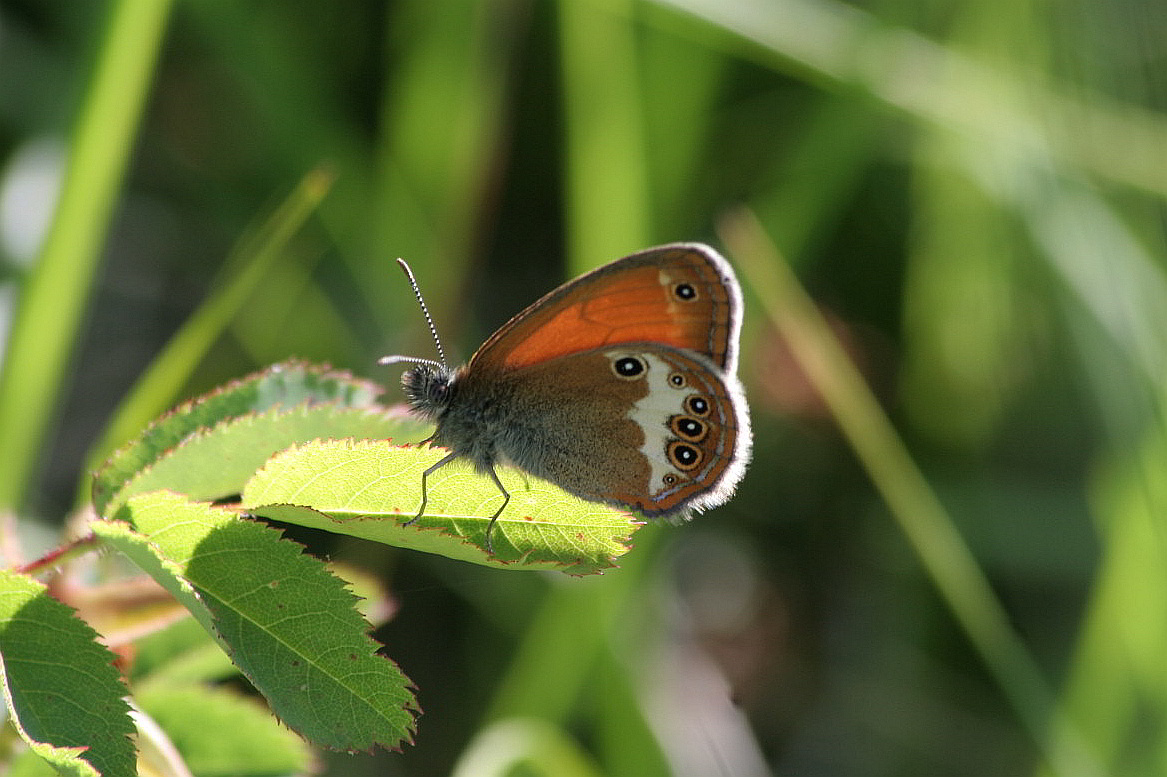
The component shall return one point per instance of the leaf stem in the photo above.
(61, 554)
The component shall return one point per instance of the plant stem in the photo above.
(60, 555)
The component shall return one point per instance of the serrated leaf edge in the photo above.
(307, 368)
(116, 499)
(578, 567)
(205, 617)
(410, 706)
(47, 750)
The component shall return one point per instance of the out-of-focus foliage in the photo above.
(972, 191)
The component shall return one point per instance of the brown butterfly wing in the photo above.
(683, 295)
(666, 437)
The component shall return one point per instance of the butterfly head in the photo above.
(429, 387)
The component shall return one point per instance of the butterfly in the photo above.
(619, 387)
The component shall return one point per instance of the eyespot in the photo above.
(677, 380)
(688, 428)
(629, 367)
(685, 292)
(697, 405)
(683, 455)
(670, 479)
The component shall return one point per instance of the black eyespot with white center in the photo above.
(697, 405)
(671, 479)
(629, 367)
(684, 456)
(688, 428)
(685, 292)
(677, 380)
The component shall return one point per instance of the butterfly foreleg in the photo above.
(425, 488)
(506, 498)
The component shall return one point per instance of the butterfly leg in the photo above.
(424, 489)
(505, 501)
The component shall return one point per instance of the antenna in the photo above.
(429, 322)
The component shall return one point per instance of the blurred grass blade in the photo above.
(607, 205)
(967, 319)
(1108, 268)
(910, 499)
(836, 146)
(444, 124)
(528, 744)
(563, 640)
(1012, 112)
(54, 297)
(252, 260)
(681, 88)
(222, 730)
(570, 638)
(1117, 673)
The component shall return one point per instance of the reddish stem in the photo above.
(60, 555)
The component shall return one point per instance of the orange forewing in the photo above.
(627, 301)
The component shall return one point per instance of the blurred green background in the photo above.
(972, 191)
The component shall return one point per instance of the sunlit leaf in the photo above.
(371, 489)
(215, 463)
(255, 402)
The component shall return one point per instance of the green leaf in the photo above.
(283, 386)
(287, 622)
(215, 463)
(154, 560)
(371, 488)
(219, 732)
(30, 764)
(62, 691)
